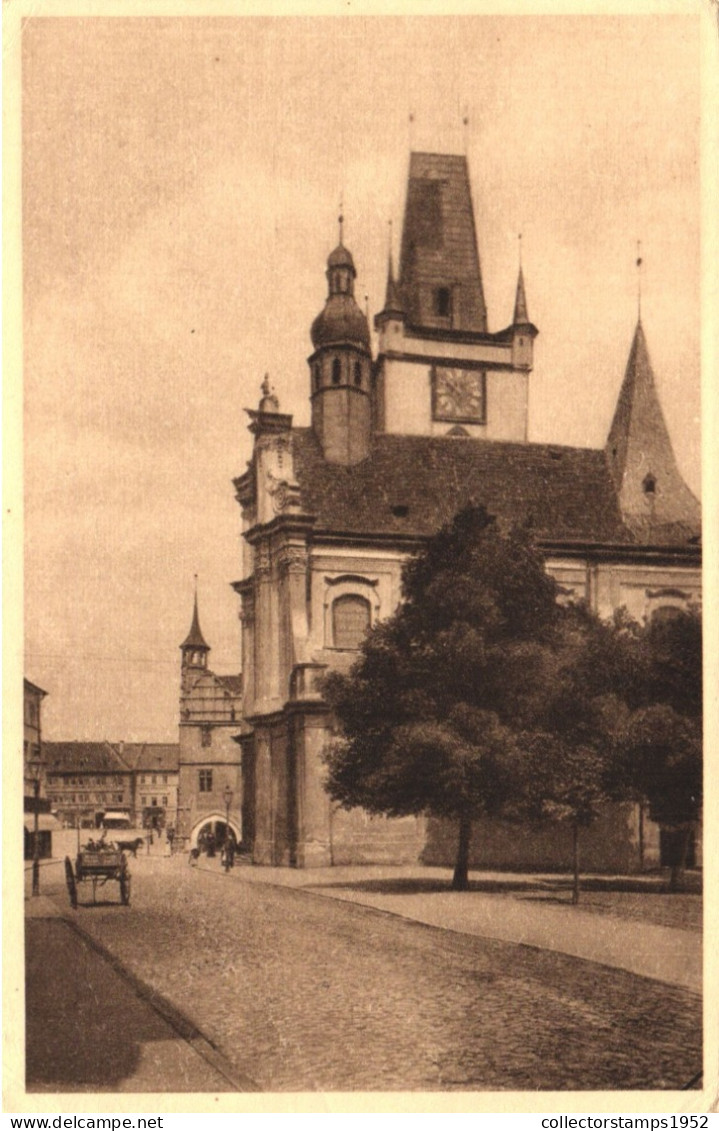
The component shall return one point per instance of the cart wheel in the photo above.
(125, 885)
(70, 881)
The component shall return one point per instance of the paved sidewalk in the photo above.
(663, 953)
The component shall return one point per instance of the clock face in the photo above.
(458, 394)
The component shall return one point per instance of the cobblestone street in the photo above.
(306, 993)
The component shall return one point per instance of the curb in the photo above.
(182, 1025)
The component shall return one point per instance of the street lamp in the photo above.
(227, 795)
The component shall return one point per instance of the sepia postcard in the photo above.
(359, 401)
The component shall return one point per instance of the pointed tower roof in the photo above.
(521, 317)
(194, 638)
(654, 499)
(392, 300)
(439, 244)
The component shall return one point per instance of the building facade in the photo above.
(210, 794)
(87, 779)
(398, 443)
(155, 777)
(36, 807)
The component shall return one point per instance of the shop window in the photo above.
(351, 618)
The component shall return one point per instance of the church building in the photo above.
(398, 443)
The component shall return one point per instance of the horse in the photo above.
(130, 845)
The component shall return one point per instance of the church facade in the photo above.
(398, 443)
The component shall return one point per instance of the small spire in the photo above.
(392, 300)
(521, 316)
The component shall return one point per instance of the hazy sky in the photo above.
(181, 183)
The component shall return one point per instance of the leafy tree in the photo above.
(431, 711)
(566, 770)
(659, 744)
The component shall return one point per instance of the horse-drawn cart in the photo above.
(97, 865)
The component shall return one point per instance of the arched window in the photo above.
(336, 371)
(358, 373)
(649, 484)
(350, 620)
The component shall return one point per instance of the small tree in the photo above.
(431, 710)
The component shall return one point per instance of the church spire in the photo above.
(521, 318)
(654, 499)
(194, 647)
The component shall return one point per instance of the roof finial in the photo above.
(411, 130)
(341, 220)
(639, 280)
(519, 245)
(366, 307)
(465, 129)
(265, 387)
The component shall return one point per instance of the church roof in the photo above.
(412, 485)
(340, 321)
(439, 243)
(340, 257)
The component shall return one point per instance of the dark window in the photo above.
(205, 781)
(316, 376)
(206, 737)
(443, 302)
(350, 621)
(650, 485)
(336, 371)
(358, 373)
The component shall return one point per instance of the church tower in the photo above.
(440, 372)
(341, 367)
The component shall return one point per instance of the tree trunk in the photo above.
(575, 863)
(460, 879)
(676, 877)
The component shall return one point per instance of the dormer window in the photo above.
(649, 485)
(443, 302)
